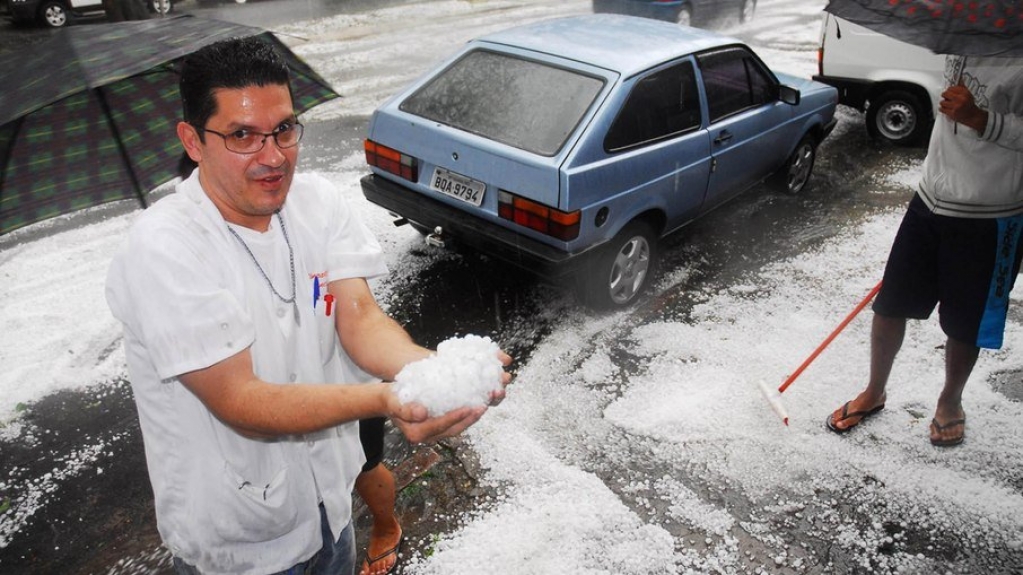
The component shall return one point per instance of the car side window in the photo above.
(734, 81)
(661, 105)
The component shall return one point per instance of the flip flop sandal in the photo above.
(863, 415)
(392, 551)
(954, 440)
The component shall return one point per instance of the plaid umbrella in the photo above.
(89, 116)
(963, 27)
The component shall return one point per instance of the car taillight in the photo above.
(535, 216)
(820, 61)
(392, 161)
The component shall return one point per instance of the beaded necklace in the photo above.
(291, 262)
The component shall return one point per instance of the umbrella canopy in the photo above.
(89, 116)
(963, 27)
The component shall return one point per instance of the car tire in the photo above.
(684, 16)
(161, 7)
(746, 10)
(898, 117)
(620, 270)
(794, 175)
(54, 14)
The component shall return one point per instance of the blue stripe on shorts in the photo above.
(992, 323)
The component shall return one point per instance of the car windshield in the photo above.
(522, 103)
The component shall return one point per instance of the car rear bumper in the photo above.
(493, 240)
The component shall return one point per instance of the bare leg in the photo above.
(886, 335)
(376, 488)
(960, 358)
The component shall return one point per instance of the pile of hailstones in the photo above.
(462, 373)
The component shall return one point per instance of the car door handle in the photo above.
(723, 137)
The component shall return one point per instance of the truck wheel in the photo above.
(898, 117)
(54, 14)
(621, 269)
(792, 177)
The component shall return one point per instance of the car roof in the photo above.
(625, 44)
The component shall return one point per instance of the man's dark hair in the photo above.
(232, 64)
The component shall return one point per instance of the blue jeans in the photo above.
(334, 558)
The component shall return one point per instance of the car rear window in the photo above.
(526, 104)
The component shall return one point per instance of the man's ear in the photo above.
(189, 137)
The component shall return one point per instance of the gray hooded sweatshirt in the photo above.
(968, 174)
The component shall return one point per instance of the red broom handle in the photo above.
(859, 307)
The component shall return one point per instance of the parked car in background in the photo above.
(52, 13)
(570, 147)
(699, 13)
(897, 84)
(60, 13)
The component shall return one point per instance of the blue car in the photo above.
(699, 13)
(569, 147)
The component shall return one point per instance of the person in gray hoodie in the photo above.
(958, 244)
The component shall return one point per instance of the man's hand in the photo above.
(958, 104)
(413, 421)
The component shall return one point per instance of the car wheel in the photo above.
(161, 7)
(54, 14)
(746, 10)
(794, 175)
(897, 117)
(621, 269)
(685, 16)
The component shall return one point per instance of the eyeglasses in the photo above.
(286, 135)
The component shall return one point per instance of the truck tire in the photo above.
(898, 117)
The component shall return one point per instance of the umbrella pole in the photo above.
(120, 147)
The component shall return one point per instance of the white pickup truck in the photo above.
(897, 84)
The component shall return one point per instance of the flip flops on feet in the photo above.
(937, 428)
(371, 567)
(862, 415)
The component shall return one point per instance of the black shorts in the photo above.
(371, 434)
(966, 266)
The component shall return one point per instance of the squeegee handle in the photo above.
(859, 307)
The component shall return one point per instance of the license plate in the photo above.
(458, 186)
